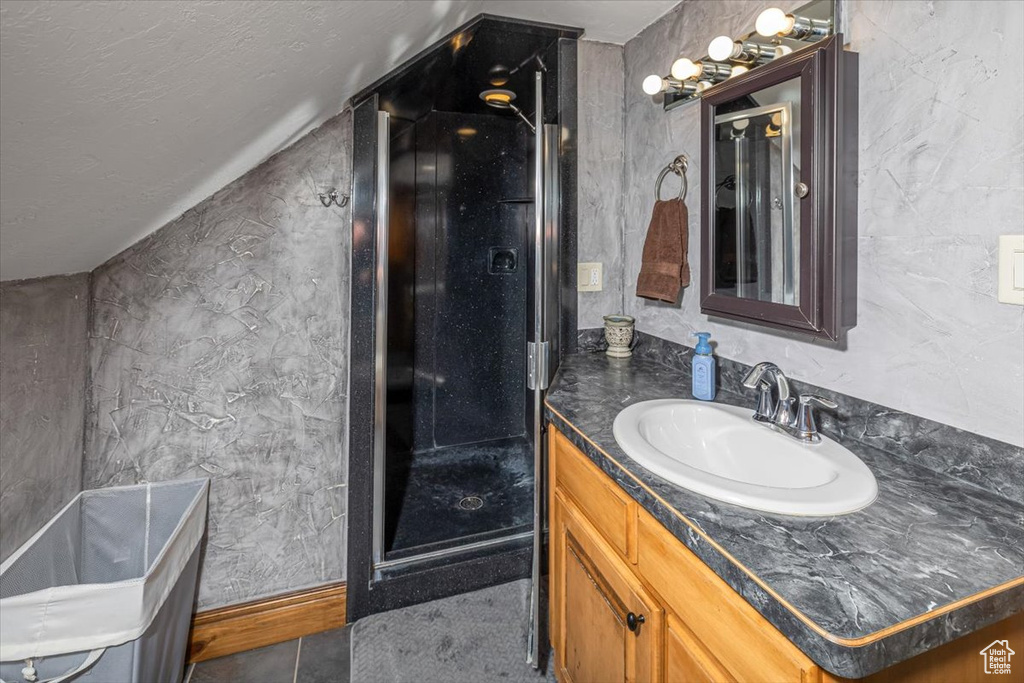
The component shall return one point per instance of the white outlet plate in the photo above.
(1011, 269)
(589, 277)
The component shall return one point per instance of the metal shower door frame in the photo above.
(542, 363)
(545, 330)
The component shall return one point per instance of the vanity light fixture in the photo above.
(686, 69)
(722, 48)
(725, 49)
(777, 34)
(655, 84)
(773, 23)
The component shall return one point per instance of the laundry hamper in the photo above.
(103, 593)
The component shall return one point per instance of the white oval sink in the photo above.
(718, 451)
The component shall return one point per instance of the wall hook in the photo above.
(332, 197)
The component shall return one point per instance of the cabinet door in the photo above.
(610, 627)
(686, 659)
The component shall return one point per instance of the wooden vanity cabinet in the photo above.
(630, 602)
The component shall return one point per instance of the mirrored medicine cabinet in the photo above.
(779, 202)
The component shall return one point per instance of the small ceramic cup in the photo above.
(618, 332)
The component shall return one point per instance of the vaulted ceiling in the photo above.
(117, 116)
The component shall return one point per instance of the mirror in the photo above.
(779, 194)
(757, 225)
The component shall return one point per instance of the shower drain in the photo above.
(471, 503)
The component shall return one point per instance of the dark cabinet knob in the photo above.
(633, 621)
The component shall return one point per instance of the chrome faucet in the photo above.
(783, 412)
(770, 410)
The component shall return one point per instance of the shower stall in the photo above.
(463, 299)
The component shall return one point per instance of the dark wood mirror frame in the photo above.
(827, 265)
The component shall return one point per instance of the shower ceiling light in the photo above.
(774, 23)
(498, 97)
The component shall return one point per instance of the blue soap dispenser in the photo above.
(703, 369)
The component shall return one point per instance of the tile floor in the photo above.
(320, 658)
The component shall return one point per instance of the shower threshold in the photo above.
(458, 499)
(465, 549)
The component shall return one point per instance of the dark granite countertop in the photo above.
(933, 558)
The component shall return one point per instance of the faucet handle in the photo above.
(818, 401)
(765, 411)
(806, 427)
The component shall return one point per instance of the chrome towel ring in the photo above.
(678, 166)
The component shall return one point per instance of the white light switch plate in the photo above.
(589, 277)
(1011, 269)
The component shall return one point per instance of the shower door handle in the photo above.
(380, 352)
(537, 365)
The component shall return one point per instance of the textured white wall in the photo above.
(43, 336)
(117, 116)
(941, 176)
(599, 181)
(219, 348)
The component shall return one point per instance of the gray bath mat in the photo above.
(471, 638)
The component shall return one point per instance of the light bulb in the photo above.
(703, 85)
(653, 84)
(773, 22)
(722, 49)
(738, 69)
(684, 68)
(782, 50)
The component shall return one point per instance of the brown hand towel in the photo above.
(664, 268)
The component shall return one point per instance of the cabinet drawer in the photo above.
(606, 506)
(743, 642)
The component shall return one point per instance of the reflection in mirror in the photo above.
(756, 219)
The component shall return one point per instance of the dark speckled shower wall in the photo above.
(480, 320)
(456, 323)
(219, 348)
